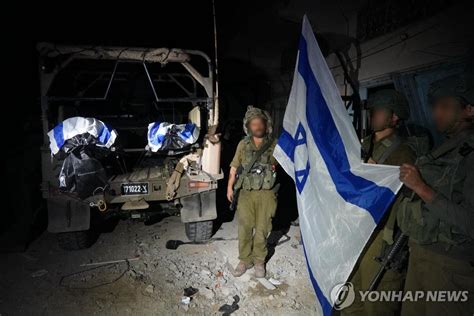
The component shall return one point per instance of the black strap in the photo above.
(257, 156)
(369, 153)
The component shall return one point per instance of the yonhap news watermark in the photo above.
(343, 295)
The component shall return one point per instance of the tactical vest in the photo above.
(440, 170)
(262, 176)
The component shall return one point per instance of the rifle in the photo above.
(395, 257)
(235, 194)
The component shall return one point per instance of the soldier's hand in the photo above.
(230, 194)
(410, 176)
(371, 161)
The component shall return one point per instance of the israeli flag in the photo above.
(340, 199)
(78, 125)
(158, 132)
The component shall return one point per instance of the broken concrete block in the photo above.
(150, 288)
(207, 293)
(266, 283)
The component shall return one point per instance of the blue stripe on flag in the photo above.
(153, 135)
(58, 135)
(104, 135)
(187, 132)
(287, 143)
(325, 304)
(352, 188)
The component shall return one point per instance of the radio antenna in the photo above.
(216, 94)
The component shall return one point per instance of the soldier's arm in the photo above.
(273, 160)
(230, 184)
(457, 210)
(236, 162)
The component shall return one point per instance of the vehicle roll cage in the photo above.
(127, 55)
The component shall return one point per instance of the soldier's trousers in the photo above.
(255, 210)
(365, 272)
(431, 271)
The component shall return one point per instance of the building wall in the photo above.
(270, 39)
(444, 38)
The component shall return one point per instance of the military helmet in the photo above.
(461, 85)
(253, 112)
(392, 100)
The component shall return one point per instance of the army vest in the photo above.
(262, 176)
(441, 169)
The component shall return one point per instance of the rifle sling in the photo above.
(257, 156)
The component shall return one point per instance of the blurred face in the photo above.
(448, 113)
(257, 127)
(381, 118)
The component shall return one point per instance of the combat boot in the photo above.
(260, 270)
(241, 268)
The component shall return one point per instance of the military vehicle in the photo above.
(127, 89)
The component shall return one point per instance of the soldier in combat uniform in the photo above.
(384, 146)
(257, 201)
(438, 213)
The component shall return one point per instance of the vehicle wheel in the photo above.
(199, 231)
(77, 240)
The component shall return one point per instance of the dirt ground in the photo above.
(46, 280)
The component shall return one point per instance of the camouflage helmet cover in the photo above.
(253, 112)
(392, 100)
(453, 86)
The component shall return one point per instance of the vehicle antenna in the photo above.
(216, 94)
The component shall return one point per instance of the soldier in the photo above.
(438, 215)
(256, 201)
(384, 146)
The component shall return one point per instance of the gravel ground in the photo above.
(46, 280)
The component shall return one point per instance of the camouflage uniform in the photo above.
(442, 231)
(382, 152)
(257, 201)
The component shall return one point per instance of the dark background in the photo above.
(249, 34)
(182, 24)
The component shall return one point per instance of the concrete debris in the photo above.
(266, 284)
(155, 283)
(274, 281)
(225, 291)
(150, 289)
(108, 262)
(207, 293)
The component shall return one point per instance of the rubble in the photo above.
(203, 267)
(150, 289)
(267, 284)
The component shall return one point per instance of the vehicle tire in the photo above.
(199, 231)
(77, 240)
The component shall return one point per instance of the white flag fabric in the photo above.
(340, 199)
(77, 125)
(171, 136)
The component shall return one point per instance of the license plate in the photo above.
(134, 188)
